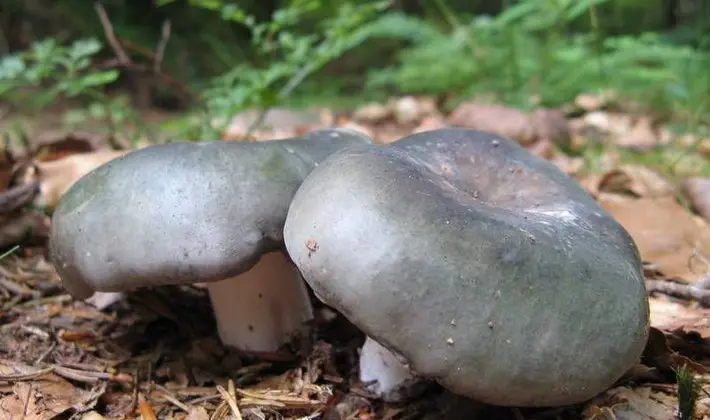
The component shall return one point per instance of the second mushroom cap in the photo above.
(484, 267)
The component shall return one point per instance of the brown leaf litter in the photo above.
(665, 233)
(697, 192)
(527, 128)
(138, 357)
(275, 123)
(41, 394)
(631, 180)
(56, 176)
(639, 132)
(61, 355)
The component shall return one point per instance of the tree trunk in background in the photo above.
(670, 18)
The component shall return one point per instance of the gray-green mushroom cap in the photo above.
(484, 267)
(184, 212)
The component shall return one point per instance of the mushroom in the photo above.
(472, 263)
(184, 212)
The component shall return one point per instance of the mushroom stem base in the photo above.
(395, 382)
(102, 300)
(263, 308)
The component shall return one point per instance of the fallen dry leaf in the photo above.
(636, 180)
(197, 413)
(399, 117)
(665, 233)
(389, 132)
(697, 191)
(145, 409)
(57, 176)
(625, 130)
(624, 403)
(669, 315)
(594, 101)
(704, 147)
(277, 123)
(568, 165)
(346, 406)
(92, 415)
(407, 110)
(352, 125)
(526, 128)
(641, 136)
(658, 354)
(430, 123)
(543, 148)
(43, 398)
(602, 123)
(372, 113)
(551, 125)
(53, 145)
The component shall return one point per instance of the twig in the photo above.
(135, 395)
(57, 299)
(25, 376)
(27, 402)
(43, 335)
(39, 317)
(169, 397)
(110, 36)
(46, 353)
(89, 376)
(700, 256)
(18, 289)
(277, 400)
(169, 79)
(231, 399)
(18, 197)
(160, 51)
(4, 45)
(204, 398)
(680, 291)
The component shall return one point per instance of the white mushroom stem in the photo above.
(102, 300)
(393, 378)
(263, 308)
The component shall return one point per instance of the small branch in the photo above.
(110, 36)
(680, 291)
(17, 197)
(182, 90)
(4, 44)
(160, 50)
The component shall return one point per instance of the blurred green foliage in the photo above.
(528, 55)
(248, 54)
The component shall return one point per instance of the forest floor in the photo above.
(154, 353)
